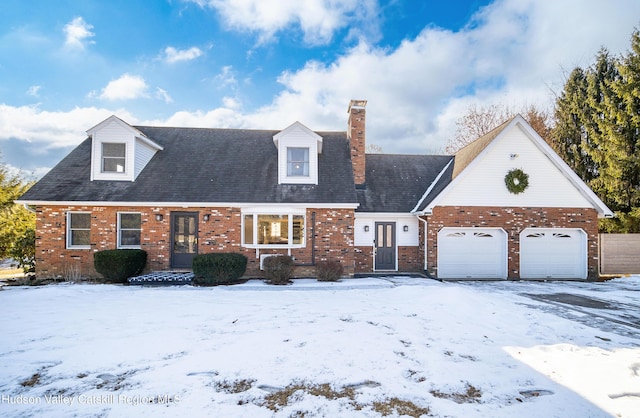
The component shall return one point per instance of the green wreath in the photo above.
(516, 180)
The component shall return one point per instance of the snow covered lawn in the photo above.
(359, 348)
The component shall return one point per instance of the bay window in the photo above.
(274, 230)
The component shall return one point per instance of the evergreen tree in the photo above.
(15, 220)
(569, 136)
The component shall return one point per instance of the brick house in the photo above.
(178, 192)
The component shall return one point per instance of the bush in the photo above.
(24, 251)
(329, 271)
(218, 268)
(118, 265)
(278, 269)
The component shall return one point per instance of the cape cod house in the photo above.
(504, 207)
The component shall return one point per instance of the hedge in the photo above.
(118, 265)
(218, 268)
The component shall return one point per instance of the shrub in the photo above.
(118, 265)
(218, 268)
(278, 269)
(329, 271)
(24, 251)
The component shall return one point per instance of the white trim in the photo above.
(68, 244)
(136, 132)
(289, 213)
(432, 185)
(289, 206)
(118, 230)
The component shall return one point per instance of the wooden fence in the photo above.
(619, 253)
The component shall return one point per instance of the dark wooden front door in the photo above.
(385, 245)
(184, 238)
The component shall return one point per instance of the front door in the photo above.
(184, 238)
(385, 246)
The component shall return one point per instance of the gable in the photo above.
(298, 149)
(481, 181)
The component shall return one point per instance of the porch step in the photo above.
(163, 278)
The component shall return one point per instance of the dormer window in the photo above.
(113, 157)
(298, 151)
(119, 152)
(298, 162)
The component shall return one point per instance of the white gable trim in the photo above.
(297, 125)
(520, 122)
(431, 186)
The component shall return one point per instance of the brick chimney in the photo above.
(357, 139)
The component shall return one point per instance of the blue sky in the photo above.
(67, 65)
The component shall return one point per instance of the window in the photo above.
(273, 230)
(113, 157)
(298, 162)
(129, 230)
(78, 230)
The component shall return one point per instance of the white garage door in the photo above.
(553, 253)
(472, 253)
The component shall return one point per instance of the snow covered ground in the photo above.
(358, 348)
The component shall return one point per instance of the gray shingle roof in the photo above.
(396, 183)
(204, 165)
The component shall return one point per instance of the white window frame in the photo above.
(70, 244)
(103, 157)
(120, 229)
(306, 163)
(290, 215)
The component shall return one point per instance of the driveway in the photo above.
(612, 306)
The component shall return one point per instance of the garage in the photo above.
(472, 253)
(553, 253)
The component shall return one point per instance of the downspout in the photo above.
(27, 207)
(424, 256)
(313, 243)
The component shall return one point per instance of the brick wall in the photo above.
(513, 221)
(330, 230)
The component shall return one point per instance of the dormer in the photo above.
(119, 151)
(298, 150)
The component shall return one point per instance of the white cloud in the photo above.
(514, 53)
(33, 91)
(173, 55)
(163, 95)
(127, 87)
(52, 129)
(226, 78)
(318, 19)
(77, 33)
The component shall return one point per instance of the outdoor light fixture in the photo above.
(158, 217)
(405, 228)
(366, 228)
(205, 217)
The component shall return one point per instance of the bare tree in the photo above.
(479, 121)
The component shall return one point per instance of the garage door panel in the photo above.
(553, 253)
(472, 253)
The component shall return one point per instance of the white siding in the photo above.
(144, 153)
(483, 181)
(403, 238)
(112, 132)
